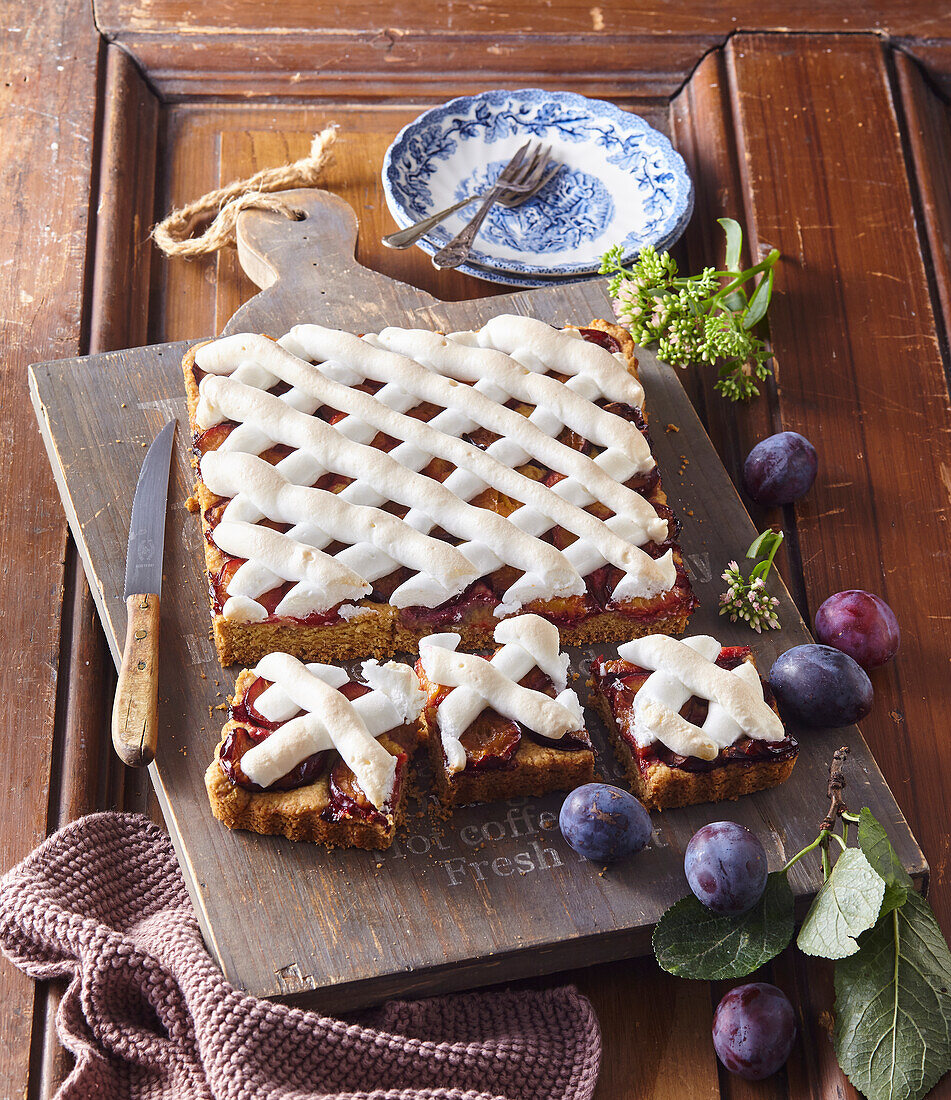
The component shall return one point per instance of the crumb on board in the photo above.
(671, 428)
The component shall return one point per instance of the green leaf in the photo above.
(759, 301)
(846, 906)
(763, 542)
(878, 850)
(691, 941)
(894, 898)
(734, 242)
(893, 1007)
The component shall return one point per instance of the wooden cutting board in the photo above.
(494, 894)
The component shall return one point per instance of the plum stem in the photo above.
(837, 804)
(837, 809)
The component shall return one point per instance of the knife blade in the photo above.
(135, 711)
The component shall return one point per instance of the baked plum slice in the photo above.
(212, 438)
(243, 709)
(220, 580)
(242, 738)
(347, 800)
(602, 339)
(490, 741)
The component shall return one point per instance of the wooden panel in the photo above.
(861, 374)
(565, 20)
(48, 56)
(123, 248)
(490, 923)
(702, 128)
(928, 130)
(85, 776)
(442, 48)
(379, 66)
(934, 56)
(655, 1032)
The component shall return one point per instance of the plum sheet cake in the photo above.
(310, 754)
(691, 721)
(360, 493)
(505, 725)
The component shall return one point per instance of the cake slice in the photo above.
(359, 493)
(506, 725)
(691, 721)
(310, 754)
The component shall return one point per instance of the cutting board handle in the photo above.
(308, 272)
(306, 267)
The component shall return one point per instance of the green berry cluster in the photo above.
(705, 318)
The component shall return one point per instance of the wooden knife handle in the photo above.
(135, 712)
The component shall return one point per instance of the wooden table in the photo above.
(827, 134)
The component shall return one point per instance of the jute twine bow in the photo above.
(174, 235)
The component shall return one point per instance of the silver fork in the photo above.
(514, 195)
(526, 169)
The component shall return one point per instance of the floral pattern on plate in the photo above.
(622, 181)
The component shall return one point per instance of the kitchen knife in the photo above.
(134, 713)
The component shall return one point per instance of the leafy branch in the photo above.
(705, 318)
(892, 965)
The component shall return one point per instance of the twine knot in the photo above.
(174, 235)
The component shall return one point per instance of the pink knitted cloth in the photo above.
(148, 1015)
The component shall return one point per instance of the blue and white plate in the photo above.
(528, 282)
(623, 182)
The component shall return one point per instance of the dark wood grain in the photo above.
(382, 66)
(249, 18)
(48, 56)
(648, 1020)
(860, 373)
(492, 923)
(928, 132)
(85, 774)
(702, 128)
(439, 48)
